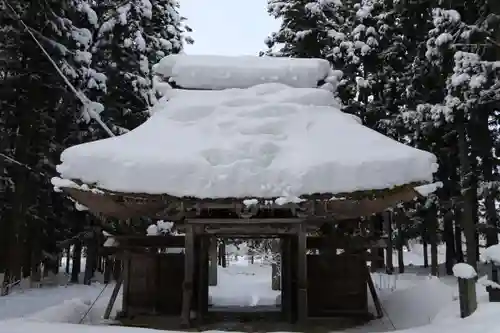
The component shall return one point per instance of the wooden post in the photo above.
(107, 269)
(286, 279)
(400, 240)
(188, 276)
(213, 262)
(377, 254)
(205, 244)
(468, 300)
(302, 274)
(125, 275)
(275, 266)
(389, 266)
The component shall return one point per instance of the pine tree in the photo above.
(130, 40)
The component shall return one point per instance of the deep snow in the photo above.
(266, 141)
(415, 303)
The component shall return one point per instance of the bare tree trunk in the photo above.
(425, 235)
(433, 225)
(458, 236)
(467, 188)
(77, 258)
(68, 259)
(449, 239)
(400, 219)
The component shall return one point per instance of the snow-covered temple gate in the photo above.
(274, 156)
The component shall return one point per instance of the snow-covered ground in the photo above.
(242, 284)
(413, 302)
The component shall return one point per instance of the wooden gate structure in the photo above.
(325, 275)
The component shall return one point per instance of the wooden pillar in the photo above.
(400, 218)
(126, 280)
(187, 295)
(204, 245)
(213, 262)
(286, 280)
(389, 266)
(376, 225)
(276, 265)
(302, 309)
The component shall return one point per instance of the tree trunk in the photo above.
(449, 239)
(488, 164)
(77, 258)
(400, 219)
(425, 235)
(433, 239)
(459, 253)
(466, 190)
(389, 266)
(68, 259)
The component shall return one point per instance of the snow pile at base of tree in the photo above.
(266, 141)
(224, 72)
(464, 271)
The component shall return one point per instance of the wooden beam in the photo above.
(150, 241)
(351, 209)
(250, 221)
(188, 277)
(373, 292)
(114, 295)
(302, 312)
(123, 206)
(342, 242)
(264, 232)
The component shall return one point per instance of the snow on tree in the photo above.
(306, 30)
(132, 38)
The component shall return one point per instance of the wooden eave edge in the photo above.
(362, 203)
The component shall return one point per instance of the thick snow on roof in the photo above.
(266, 141)
(225, 72)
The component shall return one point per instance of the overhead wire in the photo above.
(87, 103)
(79, 94)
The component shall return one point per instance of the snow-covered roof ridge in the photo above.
(211, 72)
(266, 141)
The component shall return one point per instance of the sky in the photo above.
(228, 27)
